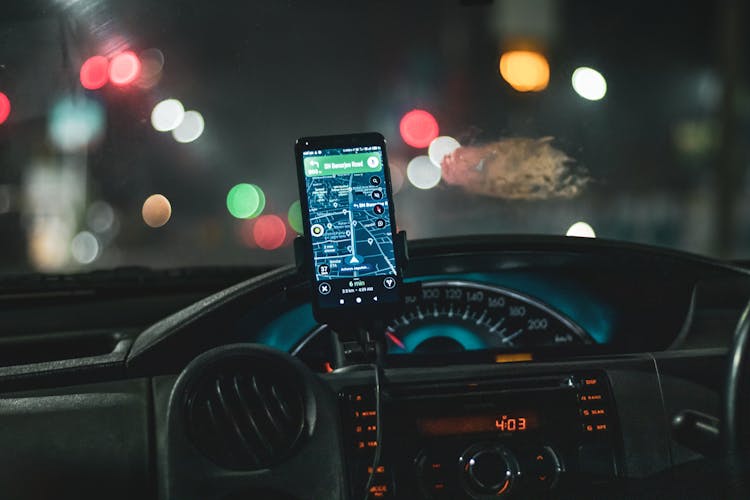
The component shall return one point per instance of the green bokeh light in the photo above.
(74, 123)
(295, 216)
(246, 201)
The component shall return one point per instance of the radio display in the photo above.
(478, 424)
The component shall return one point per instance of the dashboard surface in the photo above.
(554, 304)
(494, 331)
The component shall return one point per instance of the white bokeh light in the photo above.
(589, 83)
(422, 173)
(440, 147)
(167, 115)
(581, 230)
(100, 216)
(84, 247)
(190, 129)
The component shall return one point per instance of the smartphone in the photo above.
(349, 226)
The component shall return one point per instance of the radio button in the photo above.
(380, 469)
(438, 490)
(590, 382)
(432, 476)
(366, 413)
(379, 491)
(591, 397)
(593, 412)
(596, 427)
(545, 469)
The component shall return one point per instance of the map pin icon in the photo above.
(369, 240)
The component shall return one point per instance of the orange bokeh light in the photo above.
(525, 70)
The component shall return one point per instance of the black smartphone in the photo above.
(349, 226)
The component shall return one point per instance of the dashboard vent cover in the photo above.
(246, 412)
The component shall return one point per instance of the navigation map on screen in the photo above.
(350, 223)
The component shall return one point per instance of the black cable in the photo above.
(379, 375)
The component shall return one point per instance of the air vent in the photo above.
(246, 412)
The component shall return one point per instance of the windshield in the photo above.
(162, 133)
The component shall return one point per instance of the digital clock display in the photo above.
(511, 424)
(478, 424)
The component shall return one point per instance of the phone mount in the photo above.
(360, 337)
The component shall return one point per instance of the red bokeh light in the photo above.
(95, 72)
(4, 107)
(418, 128)
(124, 69)
(269, 232)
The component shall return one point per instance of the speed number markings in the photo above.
(491, 317)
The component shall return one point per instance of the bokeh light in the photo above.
(95, 72)
(269, 232)
(582, 230)
(245, 201)
(440, 147)
(294, 216)
(525, 70)
(124, 69)
(152, 63)
(84, 247)
(74, 123)
(190, 128)
(156, 210)
(418, 128)
(167, 115)
(589, 83)
(49, 244)
(100, 216)
(4, 107)
(422, 173)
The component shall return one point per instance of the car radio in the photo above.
(482, 439)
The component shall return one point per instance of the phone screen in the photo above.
(350, 226)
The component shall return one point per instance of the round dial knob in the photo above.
(488, 470)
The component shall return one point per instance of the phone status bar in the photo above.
(340, 151)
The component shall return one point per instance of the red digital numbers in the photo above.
(510, 424)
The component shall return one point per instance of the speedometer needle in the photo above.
(395, 339)
(512, 336)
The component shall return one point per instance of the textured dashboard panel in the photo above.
(83, 442)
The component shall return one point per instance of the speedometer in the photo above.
(450, 316)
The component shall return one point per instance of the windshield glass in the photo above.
(162, 133)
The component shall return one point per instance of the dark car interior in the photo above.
(144, 385)
(547, 223)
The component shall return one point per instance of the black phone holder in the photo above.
(362, 336)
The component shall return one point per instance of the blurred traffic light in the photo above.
(124, 69)
(121, 70)
(95, 72)
(525, 70)
(418, 128)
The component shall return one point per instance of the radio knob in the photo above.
(488, 471)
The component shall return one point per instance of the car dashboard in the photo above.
(519, 367)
